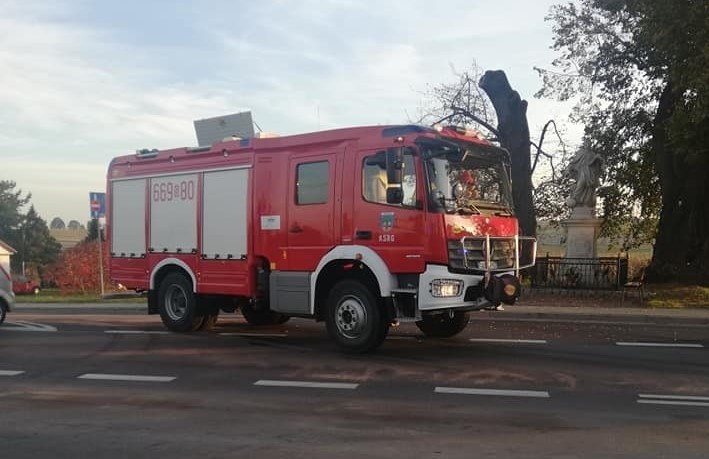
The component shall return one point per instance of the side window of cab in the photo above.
(375, 184)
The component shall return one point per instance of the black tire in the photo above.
(3, 311)
(178, 304)
(259, 314)
(355, 319)
(443, 325)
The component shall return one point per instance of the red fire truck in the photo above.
(360, 227)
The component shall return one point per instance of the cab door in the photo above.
(395, 231)
(311, 211)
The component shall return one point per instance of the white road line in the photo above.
(307, 384)
(136, 332)
(682, 400)
(22, 325)
(676, 397)
(255, 335)
(672, 402)
(512, 341)
(692, 345)
(134, 378)
(10, 372)
(494, 392)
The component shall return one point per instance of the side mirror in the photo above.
(395, 195)
(395, 165)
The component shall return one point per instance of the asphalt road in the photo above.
(95, 382)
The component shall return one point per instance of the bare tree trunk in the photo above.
(681, 251)
(514, 136)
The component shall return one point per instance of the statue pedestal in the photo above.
(581, 233)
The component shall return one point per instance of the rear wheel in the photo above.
(443, 325)
(3, 312)
(259, 314)
(178, 304)
(355, 319)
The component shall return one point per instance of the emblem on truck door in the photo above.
(386, 221)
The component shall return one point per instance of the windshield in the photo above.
(467, 179)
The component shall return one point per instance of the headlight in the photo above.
(446, 287)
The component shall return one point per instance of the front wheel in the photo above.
(443, 325)
(178, 304)
(355, 319)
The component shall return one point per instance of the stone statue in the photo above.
(585, 169)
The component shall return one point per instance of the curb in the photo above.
(689, 317)
(21, 307)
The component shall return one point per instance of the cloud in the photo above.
(83, 82)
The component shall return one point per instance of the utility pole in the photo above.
(100, 256)
(97, 202)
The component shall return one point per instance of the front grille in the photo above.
(468, 254)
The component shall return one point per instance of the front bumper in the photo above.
(471, 296)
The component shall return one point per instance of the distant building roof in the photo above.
(7, 247)
(68, 238)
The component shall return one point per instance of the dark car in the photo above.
(7, 297)
(21, 285)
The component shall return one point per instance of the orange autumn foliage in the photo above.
(77, 270)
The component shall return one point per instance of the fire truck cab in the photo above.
(358, 227)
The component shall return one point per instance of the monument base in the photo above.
(581, 233)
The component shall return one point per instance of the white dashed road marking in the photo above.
(136, 332)
(307, 384)
(133, 378)
(21, 325)
(255, 335)
(493, 392)
(641, 344)
(10, 372)
(511, 341)
(683, 400)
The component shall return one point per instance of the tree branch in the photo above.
(480, 121)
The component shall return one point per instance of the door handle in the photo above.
(363, 234)
(295, 229)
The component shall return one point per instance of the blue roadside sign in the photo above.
(98, 204)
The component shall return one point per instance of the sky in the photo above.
(85, 81)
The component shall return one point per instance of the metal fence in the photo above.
(603, 273)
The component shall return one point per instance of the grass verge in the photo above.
(677, 296)
(55, 296)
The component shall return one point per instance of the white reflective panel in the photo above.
(224, 213)
(128, 217)
(173, 213)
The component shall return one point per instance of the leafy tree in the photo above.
(38, 248)
(92, 231)
(57, 223)
(11, 203)
(27, 233)
(76, 270)
(639, 70)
